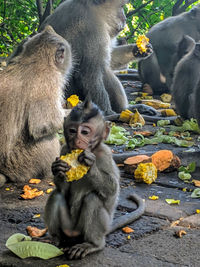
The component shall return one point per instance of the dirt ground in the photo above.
(153, 242)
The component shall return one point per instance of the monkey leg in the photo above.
(94, 222)
(2, 180)
(31, 160)
(115, 91)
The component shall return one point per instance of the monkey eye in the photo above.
(85, 132)
(72, 130)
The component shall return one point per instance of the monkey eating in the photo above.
(80, 213)
(91, 27)
(31, 111)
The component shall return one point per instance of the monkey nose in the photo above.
(81, 145)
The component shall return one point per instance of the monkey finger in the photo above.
(72, 252)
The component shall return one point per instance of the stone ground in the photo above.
(153, 242)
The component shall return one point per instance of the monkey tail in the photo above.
(132, 216)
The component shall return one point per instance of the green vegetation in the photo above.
(21, 18)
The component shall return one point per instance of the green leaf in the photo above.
(191, 167)
(184, 176)
(23, 247)
(196, 193)
(162, 123)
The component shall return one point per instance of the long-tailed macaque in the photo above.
(186, 80)
(31, 111)
(158, 69)
(83, 209)
(90, 26)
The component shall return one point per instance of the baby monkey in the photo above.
(82, 211)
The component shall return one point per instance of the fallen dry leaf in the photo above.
(30, 193)
(196, 182)
(34, 181)
(35, 232)
(120, 165)
(144, 133)
(127, 230)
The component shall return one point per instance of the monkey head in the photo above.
(113, 13)
(51, 49)
(85, 127)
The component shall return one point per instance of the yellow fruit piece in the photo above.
(34, 181)
(7, 189)
(153, 197)
(146, 172)
(123, 72)
(36, 216)
(166, 98)
(77, 170)
(156, 103)
(125, 115)
(184, 189)
(197, 211)
(168, 112)
(142, 42)
(49, 190)
(172, 201)
(72, 101)
(133, 117)
(128, 237)
(136, 118)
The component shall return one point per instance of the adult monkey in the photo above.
(90, 26)
(157, 70)
(185, 86)
(84, 209)
(31, 111)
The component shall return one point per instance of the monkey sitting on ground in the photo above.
(158, 69)
(31, 112)
(186, 79)
(91, 26)
(84, 209)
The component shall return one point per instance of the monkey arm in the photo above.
(103, 179)
(42, 126)
(124, 54)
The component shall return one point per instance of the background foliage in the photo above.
(21, 18)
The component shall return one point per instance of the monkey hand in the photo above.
(139, 55)
(87, 158)
(59, 168)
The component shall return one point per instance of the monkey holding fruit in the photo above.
(83, 209)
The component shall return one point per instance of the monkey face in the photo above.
(82, 135)
(86, 135)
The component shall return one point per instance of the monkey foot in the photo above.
(79, 251)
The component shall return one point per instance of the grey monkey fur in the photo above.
(91, 27)
(158, 69)
(87, 205)
(186, 79)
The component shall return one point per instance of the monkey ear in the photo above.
(107, 129)
(87, 104)
(60, 54)
(49, 29)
